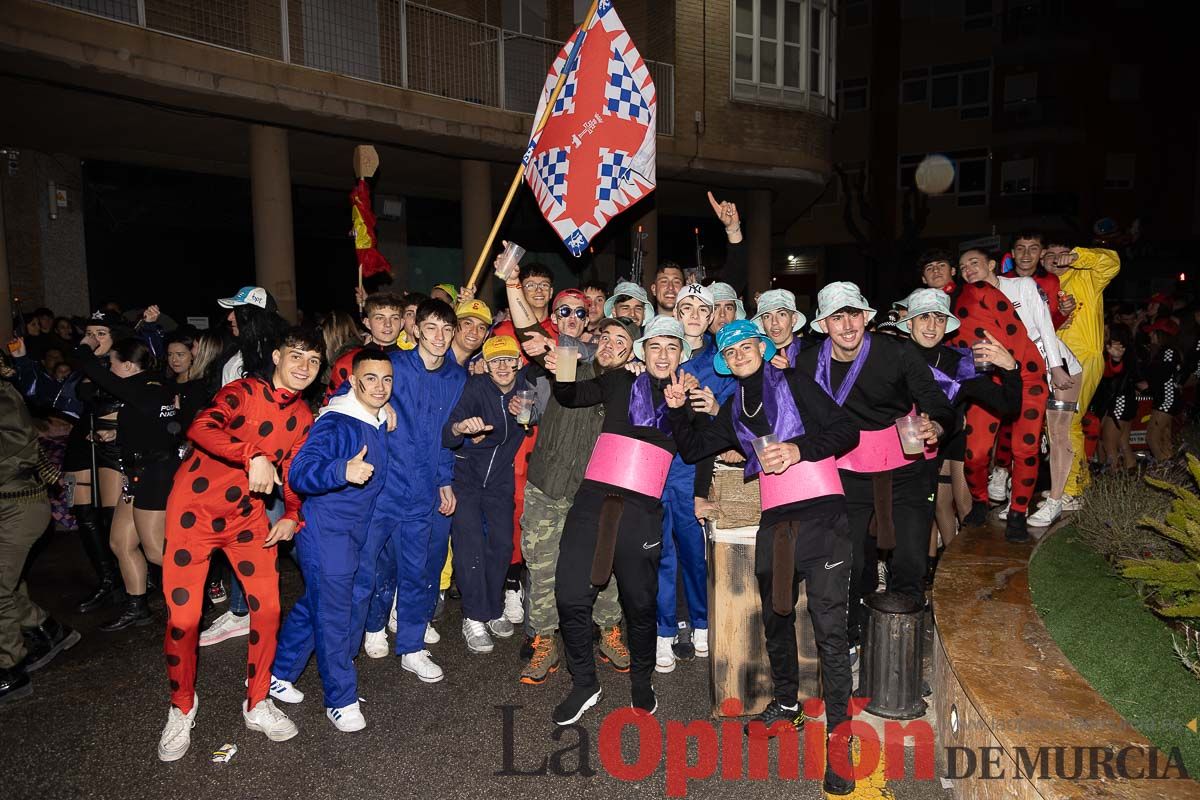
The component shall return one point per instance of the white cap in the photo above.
(697, 292)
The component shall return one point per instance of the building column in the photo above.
(271, 197)
(649, 224)
(757, 230)
(476, 214)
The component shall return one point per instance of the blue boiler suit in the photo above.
(482, 526)
(337, 518)
(683, 537)
(411, 525)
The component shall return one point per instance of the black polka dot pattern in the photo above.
(195, 464)
(182, 558)
(245, 568)
(251, 669)
(187, 520)
(200, 485)
(252, 601)
(265, 429)
(177, 633)
(254, 637)
(237, 422)
(233, 493)
(174, 685)
(218, 525)
(173, 660)
(180, 596)
(293, 422)
(245, 536)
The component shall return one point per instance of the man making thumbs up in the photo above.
(334, 473)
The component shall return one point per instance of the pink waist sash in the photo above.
(630, 464)
(879, 451)
(804, 480)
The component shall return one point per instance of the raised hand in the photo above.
(151, 313)
(704, 401)
(727, 213)
(358, 471)
(674, 393)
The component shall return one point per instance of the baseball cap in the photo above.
(477, 309)
(500, 347)
(698, 292)
(250, 296)
(565, 293)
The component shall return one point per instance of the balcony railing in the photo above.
(394, 42)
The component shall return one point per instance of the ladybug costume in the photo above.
(211, 508)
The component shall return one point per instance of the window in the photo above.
(977, 15)
(525, 16)
(853, 94)
(970, 185)
(783, 51)
(967, 87)
(856, 13)
(1118, 171)
(1018, 176)
(1125, 83)
(1020, 89)
(914, 85)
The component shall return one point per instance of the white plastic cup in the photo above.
(982, 364)
(760, 445)
(526, 399)
(567, 360)
(909, 429)
(509, 261)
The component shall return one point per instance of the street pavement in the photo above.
(92, 726)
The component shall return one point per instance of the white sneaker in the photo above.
(1072, 502)
(391, 626)
(998, 485)
(375, 644)
(285, 691)
(177, 735)
(881, 576)
(421, 664)
(347, 719)
(1002, 514)
(268, 719)
(1049, 511)
(431, 634)
(226, 626)
(476, 635)
(501, 627)
(664, 656)
(700, 642)
(514, 606)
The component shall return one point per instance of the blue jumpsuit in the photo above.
(482, 526)
(337, 516)
(418, 466)
(683, 538)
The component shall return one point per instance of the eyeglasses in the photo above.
(532, 286)
(503, 361)
(566, 311)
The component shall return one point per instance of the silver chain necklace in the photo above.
(747, 414)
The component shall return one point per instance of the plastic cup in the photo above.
(982, 364)
(509, 260)
(526, 398)
(760, 445)
(567, 361)
(909, 429)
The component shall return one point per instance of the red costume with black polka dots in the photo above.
(211, 508)
(982, 307)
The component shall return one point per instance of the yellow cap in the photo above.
(477, 309)
(500, 347)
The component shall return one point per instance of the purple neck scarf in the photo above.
(642, 411)
(856, 367)
(780, 407)
(965, 371)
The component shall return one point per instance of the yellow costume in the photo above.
(1084, 334)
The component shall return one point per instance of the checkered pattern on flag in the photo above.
(595, 156)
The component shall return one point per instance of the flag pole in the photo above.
(516, 181)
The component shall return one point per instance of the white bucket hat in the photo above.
(778, 300)
(835, 297)
(724, 293)
(628, 289)
(662, 326)
(928, 301)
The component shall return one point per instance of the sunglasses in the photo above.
(566, 311)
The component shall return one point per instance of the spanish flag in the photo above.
(370, 260)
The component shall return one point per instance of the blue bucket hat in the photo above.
(734, 332)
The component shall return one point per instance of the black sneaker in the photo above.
(14, 684)
(1015, 529)
(45, 642)
(644, 699)
(977, 515)
(772, 714)
(526, 651)
(682, 647)
(835, 784)
(578, 701)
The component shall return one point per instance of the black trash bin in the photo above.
(890, 666)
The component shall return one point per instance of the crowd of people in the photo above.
(550, 466)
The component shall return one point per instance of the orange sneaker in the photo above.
(544, 660)
(613, 650)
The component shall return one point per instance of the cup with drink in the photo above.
(911, 440)
(761, 444)
(525, 401)
(566, 362)
(509, 261)
(982, 363)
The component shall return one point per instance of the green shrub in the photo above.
(1110, 521)
(1174, 584)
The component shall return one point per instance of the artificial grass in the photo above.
(1116, 643)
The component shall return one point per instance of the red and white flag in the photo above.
(595, 156)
